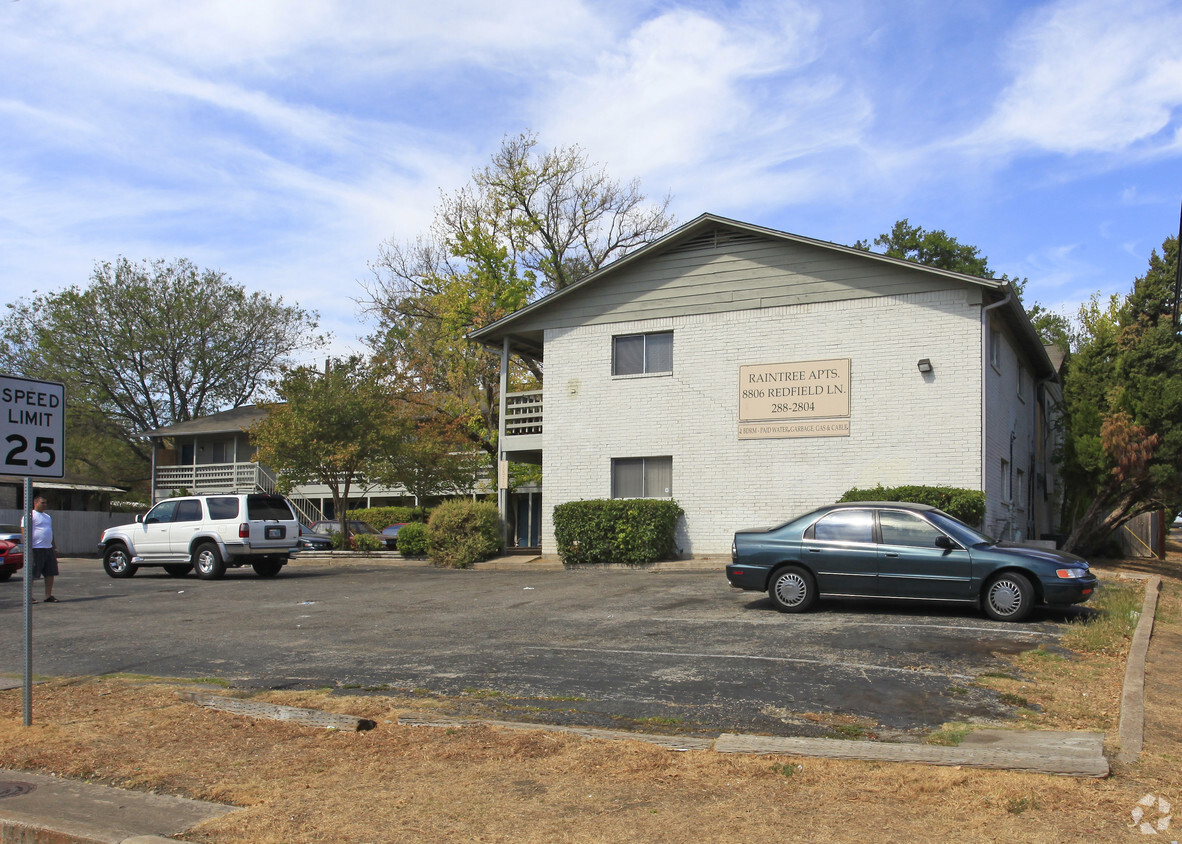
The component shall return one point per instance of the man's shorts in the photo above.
(44, 562)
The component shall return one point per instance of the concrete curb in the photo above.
(1131, 733)
(1075, 754)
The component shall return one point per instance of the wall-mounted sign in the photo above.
(801, 399)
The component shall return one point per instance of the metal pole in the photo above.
(27, 547)
(502, 481)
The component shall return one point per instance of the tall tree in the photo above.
(147, 345)
(529, 223)
(339, 428)
(936, 248)
(1123, 397)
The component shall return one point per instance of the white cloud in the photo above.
(726, 110)
(1092, 76)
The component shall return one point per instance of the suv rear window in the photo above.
(267, 507)
(222, 509)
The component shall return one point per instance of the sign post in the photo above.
(32, 444)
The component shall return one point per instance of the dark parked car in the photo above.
(885, 549)
(311, 541)
(12, 559)
(327, 527)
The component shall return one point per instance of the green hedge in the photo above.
(968, 505)
(380, 517)
(412, 540)
(463, 532)
(616, 530)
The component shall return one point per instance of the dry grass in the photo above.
(399, 783)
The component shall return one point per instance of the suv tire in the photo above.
(117, 562)
(208, 562)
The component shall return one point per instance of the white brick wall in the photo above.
(905, 427)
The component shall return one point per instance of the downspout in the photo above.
(985, 365)
(502, 463)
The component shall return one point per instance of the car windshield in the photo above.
(958, 530)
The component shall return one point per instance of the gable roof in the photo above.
(681, 273)
(226, 422)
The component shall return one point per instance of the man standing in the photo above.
(43, 546)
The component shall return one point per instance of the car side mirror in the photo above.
(945, 542)
(139, 518)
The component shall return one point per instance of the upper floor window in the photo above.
(994, 345)
(1021, 383)
(640, 354)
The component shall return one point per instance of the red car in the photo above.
(12, 558)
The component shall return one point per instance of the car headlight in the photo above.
(1070, 574)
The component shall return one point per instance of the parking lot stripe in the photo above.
(827, 663)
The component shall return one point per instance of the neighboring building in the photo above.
(752, 375)
(69, 492)
(214, 454)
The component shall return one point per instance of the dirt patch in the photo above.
(396, 783)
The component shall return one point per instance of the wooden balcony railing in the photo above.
(523, 413)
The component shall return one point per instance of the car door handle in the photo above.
(892, 554)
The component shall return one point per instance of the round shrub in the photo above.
(412, 540)
(462, 532)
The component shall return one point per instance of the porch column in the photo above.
(502, 462)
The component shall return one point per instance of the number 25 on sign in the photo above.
(32, 427)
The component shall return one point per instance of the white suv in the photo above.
(207, 533)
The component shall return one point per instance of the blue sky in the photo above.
(282, 140)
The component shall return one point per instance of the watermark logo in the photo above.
(1152, 815)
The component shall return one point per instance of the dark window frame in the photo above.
(648, 356)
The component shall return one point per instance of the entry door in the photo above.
(910, 564)
(154, 541)
(841, 550)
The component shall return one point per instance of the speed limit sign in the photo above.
(32, 427)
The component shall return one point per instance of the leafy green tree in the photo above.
(936, 248)
(434, 460)
(145, 345)
(338, 428)
(1123, 398)
(530, 222)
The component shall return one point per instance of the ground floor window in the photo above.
(642, 477)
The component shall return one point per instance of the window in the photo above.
(162, 512)
(640, 354)
(1020, 488)
(1006, 488)
(906, 529)
(222, 509)
(995, 346)
(1021, 383)
(642, 477)
(188, 510)
(846, 526)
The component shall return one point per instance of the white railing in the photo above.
(214, 477)
(523, 413)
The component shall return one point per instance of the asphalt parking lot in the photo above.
(591, 647)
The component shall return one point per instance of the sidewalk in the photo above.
(38, 809)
